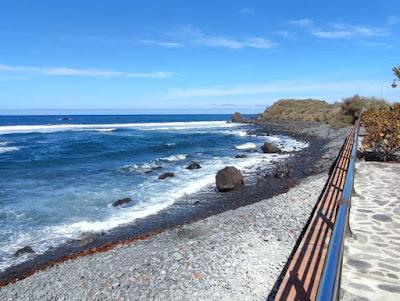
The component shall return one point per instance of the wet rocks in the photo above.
(194, 165)
(229, 179)
(23, 251)
(87, 239)
(166, 175)
(282, 170)
(236, 117)
(121, 202)
(270, 148)
(241, 156)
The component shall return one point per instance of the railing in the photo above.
(330, 281)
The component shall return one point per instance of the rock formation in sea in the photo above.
(166, 175)
(121, 202)
(24, 250)
(268, 147)
(236, 117)
(193, 165)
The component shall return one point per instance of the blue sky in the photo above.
(192, 56)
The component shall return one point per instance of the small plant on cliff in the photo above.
(396, 71)
(383, 126)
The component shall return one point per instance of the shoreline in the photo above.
(235, 254)
(200, 205)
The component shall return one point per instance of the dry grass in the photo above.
(314, 110)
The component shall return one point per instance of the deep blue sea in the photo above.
(59, 176)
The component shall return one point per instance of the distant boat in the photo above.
(65, 119)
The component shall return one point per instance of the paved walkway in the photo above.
(371, 267)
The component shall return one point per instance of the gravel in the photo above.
(235, 255)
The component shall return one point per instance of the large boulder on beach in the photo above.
(193, 165)
(166, 175)
(268, 147)
(23, 251)
(121, 202)
(228, 179)
(236, 117)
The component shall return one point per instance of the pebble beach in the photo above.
(235, 255)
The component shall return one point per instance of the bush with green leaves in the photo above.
(383, 127)
(354, 105)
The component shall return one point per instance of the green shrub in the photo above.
(383, 127)
(353, 106)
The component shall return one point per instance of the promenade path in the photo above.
(371, 264)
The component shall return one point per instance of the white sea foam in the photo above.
(162, 195)
(245, 146)
(139, 168)
(151, 166)
(104, 130)
(7, 149)
(239, 133)
(90, 127)
(174, 158)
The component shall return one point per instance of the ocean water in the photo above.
(59, 177)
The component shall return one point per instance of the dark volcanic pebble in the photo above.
(121, 202)
(24, 250)
(166, 175)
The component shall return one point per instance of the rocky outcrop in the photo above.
(23, 251)
(236, 117)
(166, 175)
(270, 148)
(121, 202)
(193, 165)
(229, 179)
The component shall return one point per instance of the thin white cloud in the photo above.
(259, 43)
(346, 31)
(166, 44)
(192, 36)
(304, 23)
(62, 71)
(271, 88)
(281, 33)
(340, 30)
(247, 11)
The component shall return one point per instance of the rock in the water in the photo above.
(193, 165)
(236, 117)
(270, 148)
(282, 170)
(24, 250)
(242, 156)
(166, 175)
(121, 202)
(228, 179)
